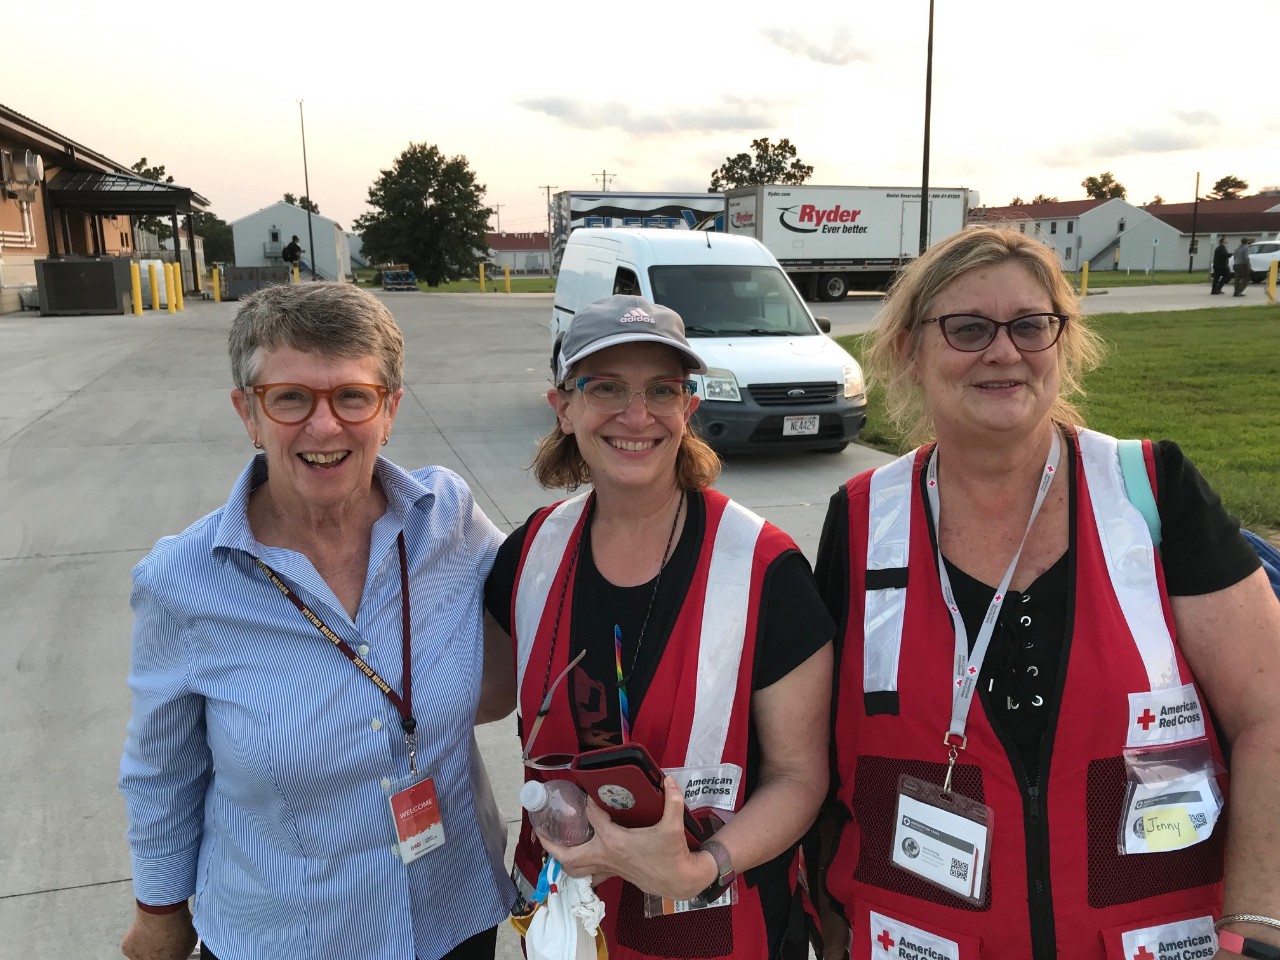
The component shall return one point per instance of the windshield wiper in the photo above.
(762, 332)
(704, 331)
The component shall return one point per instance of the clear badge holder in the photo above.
(943, 838)
(1172, 800)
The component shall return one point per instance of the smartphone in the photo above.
(627, 783)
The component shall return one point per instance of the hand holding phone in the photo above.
(626, 782)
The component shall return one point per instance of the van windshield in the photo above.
(723, 300)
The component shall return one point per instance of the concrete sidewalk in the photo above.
(117, 430)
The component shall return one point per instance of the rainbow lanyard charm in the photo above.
(622, 684)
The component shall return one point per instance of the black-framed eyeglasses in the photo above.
(661, 397)
(292, 403)
(970, 333)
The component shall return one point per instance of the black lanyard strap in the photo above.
(403, 704)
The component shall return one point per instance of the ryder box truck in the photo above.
(831, 240)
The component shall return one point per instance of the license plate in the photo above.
(800, 426)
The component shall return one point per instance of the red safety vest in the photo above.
(682, 722)
(1053, 858)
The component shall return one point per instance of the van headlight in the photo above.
(853, 385)
(720, 384)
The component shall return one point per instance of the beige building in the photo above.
(62, 200)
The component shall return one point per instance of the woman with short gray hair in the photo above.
(306, 672)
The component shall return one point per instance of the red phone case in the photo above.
(627, 783)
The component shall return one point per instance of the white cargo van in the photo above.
(775, 379)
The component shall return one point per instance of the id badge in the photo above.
(655, 906)
(1172, 800)
(942, 838)
(415, 815)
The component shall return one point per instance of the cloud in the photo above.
(836, 50)
(1127, 143)
(736, 113)
(1197, 118)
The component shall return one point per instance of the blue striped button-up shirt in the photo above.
(257, 754)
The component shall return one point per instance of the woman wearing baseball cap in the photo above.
(680, 621)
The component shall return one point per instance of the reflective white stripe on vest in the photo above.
(1130, 558)
(541, 565)
(723, 634)
(888, 548)
(1126, 547)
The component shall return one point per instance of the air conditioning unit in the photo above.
(75, 286)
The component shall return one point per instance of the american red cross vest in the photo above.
(695, 713)
(1057, 886)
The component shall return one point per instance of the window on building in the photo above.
(1037, 226)
(1053, 227)
(1120, 226)
(1071, 226)
(1066, 255)
(275, 235)
(1022, 227)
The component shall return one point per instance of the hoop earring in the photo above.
(257, 445)
(384, 440)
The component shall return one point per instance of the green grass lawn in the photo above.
(1105, 279)
(1209, 379)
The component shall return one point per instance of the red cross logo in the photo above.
(958, 682)
(998, 597)
(932, 483)
(887, 941)
(1147, 718)
(1144, 954)
(1050, 469)
(973, 670)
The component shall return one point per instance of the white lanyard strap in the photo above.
(969, 666)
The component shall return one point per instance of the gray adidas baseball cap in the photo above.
(623, 319)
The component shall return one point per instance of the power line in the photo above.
(497, 212)
(604, 176)
(550, 252)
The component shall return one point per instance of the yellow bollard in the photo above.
(296, 278)
(177, 286)
(482, 289)
(506, 275)
(170, 306)
(155, 287)
(135, 284)
(1084, 279)
(1271, 281)
(217, 285)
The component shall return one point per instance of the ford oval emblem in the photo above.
(794, 394)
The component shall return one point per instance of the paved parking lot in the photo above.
(115, 431)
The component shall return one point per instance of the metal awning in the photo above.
(117, 193)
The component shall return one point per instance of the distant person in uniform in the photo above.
(1221, 266)
(292, 252)
(1240, 259)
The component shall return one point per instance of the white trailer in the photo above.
(831, 240)
(572, 209)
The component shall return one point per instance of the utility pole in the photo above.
(550, 251)
(497, 211)
(604, 176)
(306, 182)
(1195, 208)
(924, 179)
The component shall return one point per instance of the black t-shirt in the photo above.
(1201, 550)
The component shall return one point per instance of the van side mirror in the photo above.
(823, 324)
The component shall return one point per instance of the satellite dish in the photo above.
(29, 170)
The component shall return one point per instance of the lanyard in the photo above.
(403, 705)
(968, 666)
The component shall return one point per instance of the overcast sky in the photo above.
(1027, 97)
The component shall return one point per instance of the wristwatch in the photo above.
(725, 873)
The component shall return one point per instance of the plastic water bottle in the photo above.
(558, 808)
